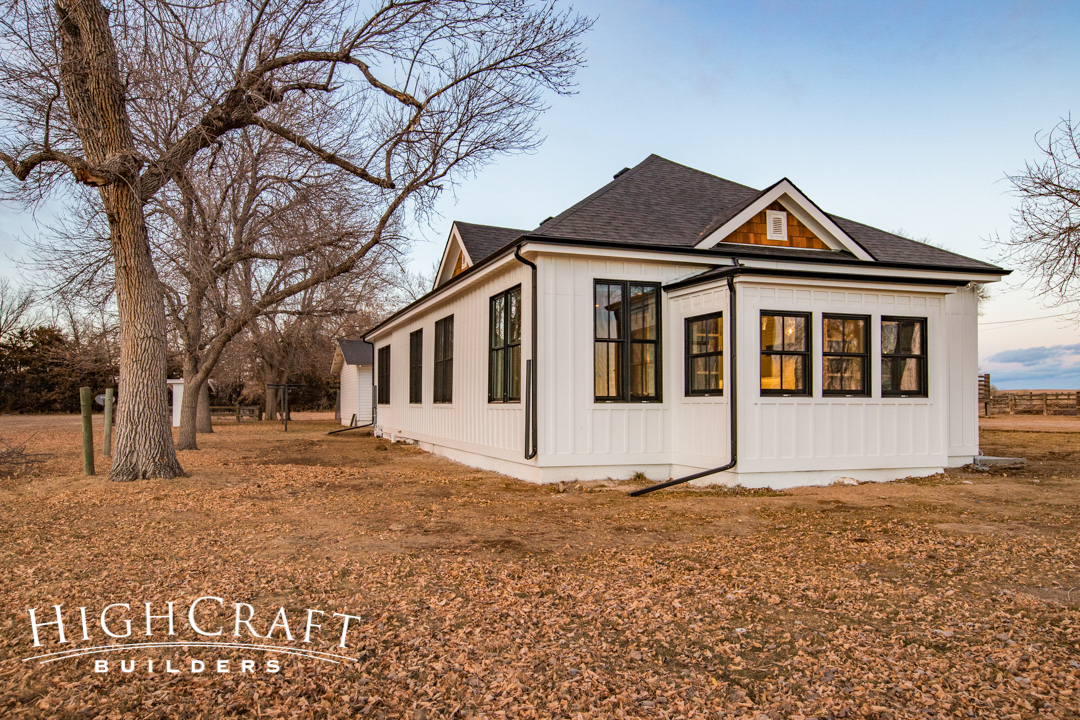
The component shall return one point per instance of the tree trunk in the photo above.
(203, 421)
(90, 75)
(189, 412)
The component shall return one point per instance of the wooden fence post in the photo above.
(1046, 404)
(107, 444)
(87, 431)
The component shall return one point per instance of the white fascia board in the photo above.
(598, 251)
(339, 360)
(798, 205)
(433, 302)
(883, 272)
(454, 241)
(708, 261)
(830, 284)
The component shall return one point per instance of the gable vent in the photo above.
(776, 220)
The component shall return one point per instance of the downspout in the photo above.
(374, 403)
(733, 405)
(531, 435)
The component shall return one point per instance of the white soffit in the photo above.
(449, 257)
(798, 205)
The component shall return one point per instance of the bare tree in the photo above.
(16, 306)
(1045, 240)
(410, 96)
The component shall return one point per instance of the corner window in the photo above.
(845, 355)
(504, 347)
(384, 376)
(785, 353)
(705, 355)
(444, 361)
(416, 366)
(903, 357)
(626, 341)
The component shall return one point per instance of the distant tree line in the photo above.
(49, 348)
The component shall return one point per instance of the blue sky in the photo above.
(903, 115)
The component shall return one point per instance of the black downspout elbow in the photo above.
(531, 434)
(733, 406)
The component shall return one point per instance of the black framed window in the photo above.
(416, 366)
(903, 357)
(705, 355)
(504, 347)
(785, 353)
(444, 360)
(626, 341)
(845, 354)
(384, 375)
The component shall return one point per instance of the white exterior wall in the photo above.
(787, 441)
(782, 441)
(581, 438)
(470, 429)
(962, 319)
(355, 383)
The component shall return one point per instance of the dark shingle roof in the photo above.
(355, 352)
(482, 240)
(662, 204)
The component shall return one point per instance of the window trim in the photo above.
(924, 375)
(382, 389)
(867, 379)
(443, 395)
(627, 344)
(416, 367)
(808, 385)
(507, 347)
(688, 356)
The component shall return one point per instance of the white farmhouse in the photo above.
(352, 365)
(675, 323)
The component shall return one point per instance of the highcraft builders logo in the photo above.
(208, 623)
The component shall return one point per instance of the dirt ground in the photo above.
(482, 596)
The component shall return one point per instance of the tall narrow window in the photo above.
(785, 353)
(416, 366)
(845, 355)
(444, 361)
(903, 357)
(504, 354)
(626, 347)
(705, 355)
(384, 375)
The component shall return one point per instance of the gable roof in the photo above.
(482, 240)
(661, 204)
(355, 352)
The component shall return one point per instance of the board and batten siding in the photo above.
(837, 435)
(962, 319)
(594, 439)
(470, 423)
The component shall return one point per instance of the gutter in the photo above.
(733, 423)
(531, 434)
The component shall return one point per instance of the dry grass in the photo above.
(958, 596)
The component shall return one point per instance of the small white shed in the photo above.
(352, 365)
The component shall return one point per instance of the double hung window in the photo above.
(845, 355)
(903, 357)
(626, 341)
(504, 347)
(444, 361)
(384, 376)
(705, 355)
(785, 353)
(416, 366)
